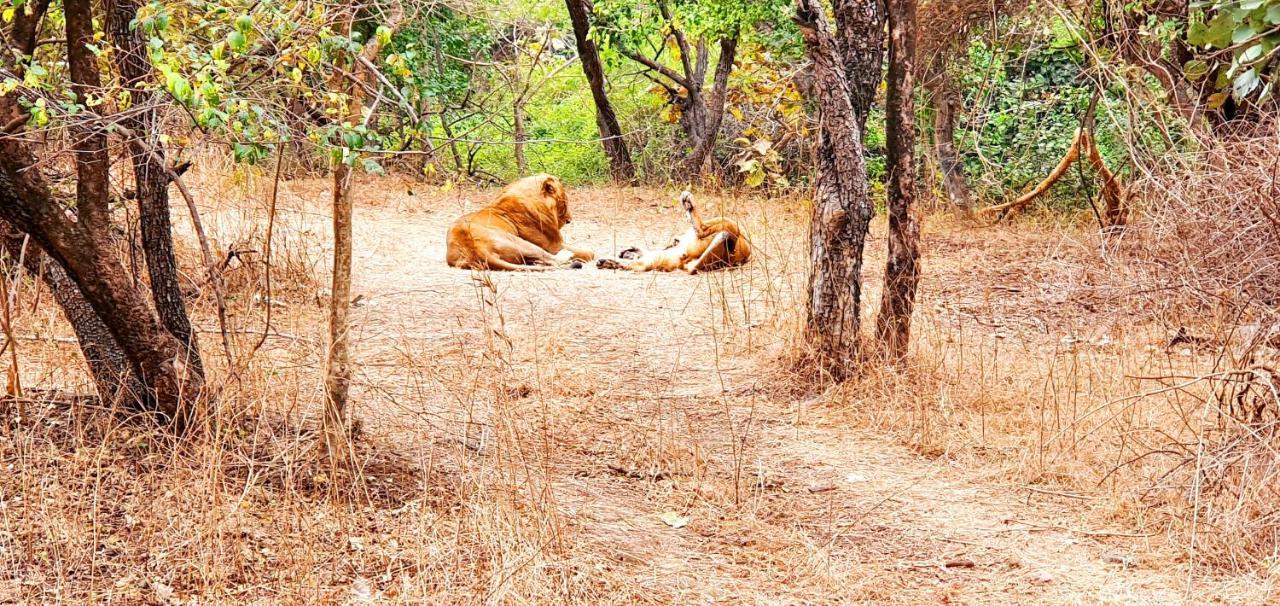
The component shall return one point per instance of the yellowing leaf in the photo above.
(674, 519)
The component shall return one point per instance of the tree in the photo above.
(902, 271)
(77, 236)
(151, 176)
(621, 168)
(842, 208)
(352, 76)
(643, 31)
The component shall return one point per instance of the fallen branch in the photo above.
(1073, 152)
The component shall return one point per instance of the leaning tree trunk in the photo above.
(621, 167)
(902, 272)
(842, 209)
(151, 178)
(108, 366)
(82, 247)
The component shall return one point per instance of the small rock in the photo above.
(1041, 578)
(823, 487)
(854, 478)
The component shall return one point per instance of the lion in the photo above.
(712, 244)
(520, 231)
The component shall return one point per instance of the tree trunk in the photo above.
(337, 385)
(519, 136)
(88, 140)
(621, 168)
(26, 27)
(860, 28)
(902, 272)
(944, 134)
(84, 250)
(842, 208)
(108, 365)
(151, 179)
(714, 111)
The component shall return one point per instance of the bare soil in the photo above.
(653, 442)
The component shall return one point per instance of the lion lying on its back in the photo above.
(712, 244)
(519, 231)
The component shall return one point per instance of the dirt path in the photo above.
(642, 395)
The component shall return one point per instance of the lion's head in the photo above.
(557, 199)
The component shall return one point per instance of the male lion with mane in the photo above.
(520, 231)
(712, 244)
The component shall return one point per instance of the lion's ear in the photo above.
(550, 186)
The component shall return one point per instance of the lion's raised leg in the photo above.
(716, 256)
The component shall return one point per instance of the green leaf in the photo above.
(383, 34)
(244, 24)
(237, 41)
(1195, 69)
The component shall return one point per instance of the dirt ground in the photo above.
(643, 431)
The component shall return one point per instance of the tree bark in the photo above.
(108, 366)
(713, 113)
(944, 133)
(84, 250)
(151, 180)
(25, 29)
(860, 28)
(621, 167)
(842, 207)
(902, 271)
(88, 139)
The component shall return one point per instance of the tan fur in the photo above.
(519, 231)
(712, 244)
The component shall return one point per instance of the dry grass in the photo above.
(526, 436)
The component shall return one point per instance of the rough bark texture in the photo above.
(842, 207)
(337, 385)
(84, 251)
(860, 29)
(88, 139)
(713, 108)
(621, 167)
(944, 134)
(902, 271)
(108, 365)
(151, 179)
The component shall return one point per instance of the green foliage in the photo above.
(1249, 32)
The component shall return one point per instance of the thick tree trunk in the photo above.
(902, 272)
(621, 168)
(713, 112)
(860, 28)
(83, 249)
(108, 365)
(151, 179)
(944, 134)
(842, 209)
